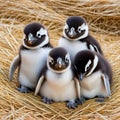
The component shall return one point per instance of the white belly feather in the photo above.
(92, 86)
(59, 87)
(72, 47)
(32, 63)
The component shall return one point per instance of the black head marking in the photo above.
(75, 27)
(35, 36)
(32, 28)
(75, 21)
(85, 62)
(58, 60)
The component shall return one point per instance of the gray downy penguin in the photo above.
(94, 74)
(32, 57)
(58, 83)
(76, 37)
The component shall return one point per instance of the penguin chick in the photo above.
(58, 84)
(76, 37)
(94, 73)
(32, 57)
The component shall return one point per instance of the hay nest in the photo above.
(103, 18)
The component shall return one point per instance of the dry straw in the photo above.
(103, 18)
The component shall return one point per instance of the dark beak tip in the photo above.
(71, 36)
(30, 42)
(59, 66)
(81, 77)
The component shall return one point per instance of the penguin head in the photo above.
(36, 36)
(75, 28)
(85, 63)
(58, 60)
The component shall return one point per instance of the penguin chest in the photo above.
(92, 85)
(73, 47)
(59, 87)
(32, 63)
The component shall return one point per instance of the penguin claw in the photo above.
(71, 104)
(100, 99)
(80, 101)
(47, 100)
(23, 89)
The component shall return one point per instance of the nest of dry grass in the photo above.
(103, 18)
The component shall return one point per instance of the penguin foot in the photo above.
(71, 104)
(100, 99)
(47, 100)
(80, 101)
(23, 89)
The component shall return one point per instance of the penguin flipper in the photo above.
(40, 81)
(77, 84)
(107, 84)
(15, 63)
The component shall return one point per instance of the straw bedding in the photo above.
(103, 18)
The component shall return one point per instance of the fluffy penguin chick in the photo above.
(76, 37)
(94, 73)
(59, 84)
(32, 57)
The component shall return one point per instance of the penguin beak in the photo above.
(72, 32)
(31, 38)
(59, 63)
(81, 76)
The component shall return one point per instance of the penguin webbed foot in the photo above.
(71, 104)
(23, 89)
(47, 100)
(100, 98)
(80, 101)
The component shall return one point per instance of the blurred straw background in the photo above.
(103, 18)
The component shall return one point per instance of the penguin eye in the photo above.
(38, 34)
(79, 29)
(87, 67)
(25, 38)
(66, 60)
(67, 57)
(50, 60)
(66, 27)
